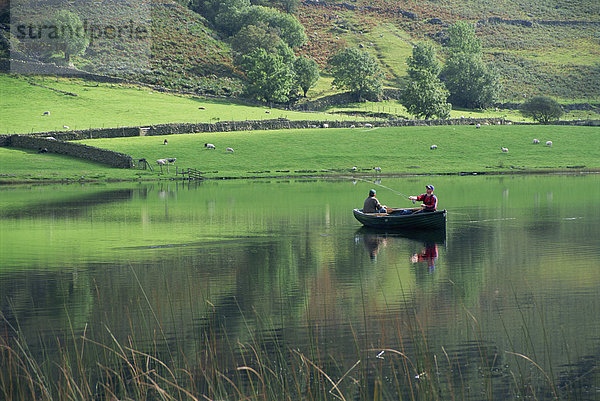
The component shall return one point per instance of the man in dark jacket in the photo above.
(372, 205)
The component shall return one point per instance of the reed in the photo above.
(96, 363)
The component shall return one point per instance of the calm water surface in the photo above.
(506, 301)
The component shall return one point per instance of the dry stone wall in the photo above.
(114, 159)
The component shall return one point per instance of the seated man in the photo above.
(372, 205)
(429, 199)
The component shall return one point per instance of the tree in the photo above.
(71, 39)
(425, 95)
(541, 109)
(306, 73)
(462, 38)
(289, 29)
(471, 82)
(357, 71)
(268, 76)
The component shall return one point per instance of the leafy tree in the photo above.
(252, 37)
(425, 95)
(424, 58)
(225, 14)
(268, 76)
(289, 29)
(426, 98)
(471, 82)
(71, 39)
(462, 38)
(357, 71)
(306, 73)
(541, 109)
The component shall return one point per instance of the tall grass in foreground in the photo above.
(93, 364)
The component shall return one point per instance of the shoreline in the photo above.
(42, 181)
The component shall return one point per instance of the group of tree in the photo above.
(263, 40)
(464, 81)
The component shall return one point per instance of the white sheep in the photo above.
(325, 125)
(209, 146)
(478, 126)
(369, 125)
(354, 168)
(46, 113)
(229, 150)
(548, 143)
(536, 141)
(65, 126)
(51, 138)
(433, 147)
(377, 169)
(504, 149)
(172, 160)
(353, 126)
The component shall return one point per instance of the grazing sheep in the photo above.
(65, 126)
(325, 125)
(51, 138)
(352, 126)
(46, 113)
(354, 168)
(478, 126)
(536, 141)
(209, 146)
(377, 169)
(548, 143)
(172, 160)
(433, 147)
(369, 125)
(165, 142)
(267, 111)
(229, 150)
(504, 149)
(161, 162)
(202, 108)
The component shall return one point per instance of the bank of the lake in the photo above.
(326, 152)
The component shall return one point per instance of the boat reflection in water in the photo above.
(376, 239)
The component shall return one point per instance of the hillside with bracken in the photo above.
(539, 48)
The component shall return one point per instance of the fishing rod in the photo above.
(382, 186)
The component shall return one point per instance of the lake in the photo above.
(271, 289)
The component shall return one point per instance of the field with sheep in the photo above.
(327, 152)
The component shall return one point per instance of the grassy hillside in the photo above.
(116, 105)
(548, 57)
(550, 48)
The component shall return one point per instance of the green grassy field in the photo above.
(114, 105)
(316, 152)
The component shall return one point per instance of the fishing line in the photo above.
(380, 185)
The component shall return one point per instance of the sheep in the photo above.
(369, 125)
(172, 160)
(478, 126)
(165, 142)
(267, 111)
(43, 150)
(209, 146)
(325, 125)
(354, 168)
(46, 113)
(536, 141)
(504, 149)
(353, 126)
(548, 143)
(229, 150)
(51, 138)
(161, 162)
(377, 169)
(433, 147)
(65, 126)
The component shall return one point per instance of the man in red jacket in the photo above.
(429, 199)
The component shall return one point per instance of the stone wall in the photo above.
(98, 155)
(250, 125)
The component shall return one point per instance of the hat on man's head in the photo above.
(430, 187)
(371, 192)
